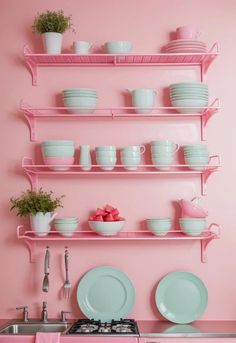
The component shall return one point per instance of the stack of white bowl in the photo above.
(106, 156)
(66, 226)
(189, 94)
(196, 156)
(159, 226)
(81, 100)
(58, 152)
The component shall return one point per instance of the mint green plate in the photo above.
(105, 293)
(181, 297)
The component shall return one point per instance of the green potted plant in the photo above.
(52, 25)
(39, 206)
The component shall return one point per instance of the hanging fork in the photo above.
(67, 284)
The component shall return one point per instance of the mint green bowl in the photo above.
(58, 150)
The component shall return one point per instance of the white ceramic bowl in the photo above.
(118, 47)
(106, 228)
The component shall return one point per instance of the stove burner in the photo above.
(96, 327)
(105, 328)
(122, 328)
(87, 328)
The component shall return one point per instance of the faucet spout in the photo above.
(44, 312)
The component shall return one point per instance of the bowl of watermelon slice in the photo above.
(106, 221)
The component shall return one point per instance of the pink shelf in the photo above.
(35, 113)
(33, 171)
(181, 59)
(31, 240)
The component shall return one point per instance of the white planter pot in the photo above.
(40, 223)
(52, 42)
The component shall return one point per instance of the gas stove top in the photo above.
(96, 327)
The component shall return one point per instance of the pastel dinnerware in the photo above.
(106, 228)
(191, 209)
(106, 157)
(187, 32)
(85, 161)
(66, 226)
(81, 47)
(192, 226)
(162, 153)
(143, 99)
(118, 47)
(62, 163)
(159, 226)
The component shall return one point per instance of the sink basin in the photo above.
(32, 328)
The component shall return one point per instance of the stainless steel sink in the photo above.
(32, 328)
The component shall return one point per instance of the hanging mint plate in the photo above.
(105, 293)
(181, 297)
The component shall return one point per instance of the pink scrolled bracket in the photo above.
(207, 240)
(32, 176)
(31, 64)
(29, 113)
(31, 244)
(207, 114)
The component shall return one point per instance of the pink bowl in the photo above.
(191, 210)
(58, 161)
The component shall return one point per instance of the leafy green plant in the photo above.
(52, 21)
(31, 202)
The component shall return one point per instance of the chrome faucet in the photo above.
(63, 316)
(44, 317)
(25, 312)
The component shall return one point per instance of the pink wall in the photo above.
(147, 24)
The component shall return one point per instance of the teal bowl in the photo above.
(58, 150)
(192, 226)
(58, 142)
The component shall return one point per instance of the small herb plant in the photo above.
(30, 202)
(52, 21)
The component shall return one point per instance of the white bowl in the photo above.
(106, 228)
(118, 47)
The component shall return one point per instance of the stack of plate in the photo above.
(81, 100)
(189, 94)
(185, 46)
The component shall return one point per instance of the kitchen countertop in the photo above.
(219, 328)
(154, 328)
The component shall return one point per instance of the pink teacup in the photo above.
(187, 32)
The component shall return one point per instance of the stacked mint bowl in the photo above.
(58, 153)
(80, 100)
(66, 226)
(189, 94)
(196, 156)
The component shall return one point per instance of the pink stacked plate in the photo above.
(185, 46)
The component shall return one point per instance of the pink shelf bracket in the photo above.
(207, 114)
(31, 64)
(206, 173)
(32, 176)
(206, 62)
(207, 240)
(29, 115)
(31, 244)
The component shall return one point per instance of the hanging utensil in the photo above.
(67, 284)
(45, 286)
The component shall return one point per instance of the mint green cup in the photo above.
(159, 226)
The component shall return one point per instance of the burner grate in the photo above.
(96, 327)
